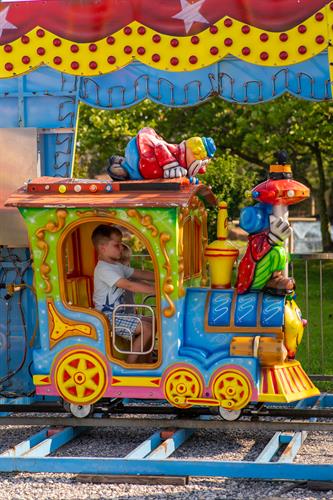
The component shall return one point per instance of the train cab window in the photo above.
(133, 336)
(192, 241)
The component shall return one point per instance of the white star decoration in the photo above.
(4, 24)
(190, 14)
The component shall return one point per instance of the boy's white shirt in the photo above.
(105, 289)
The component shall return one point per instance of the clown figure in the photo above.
(149, 156)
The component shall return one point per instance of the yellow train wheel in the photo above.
(233, 389)
(180, 384)
(81, 377)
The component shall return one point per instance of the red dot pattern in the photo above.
(9, 67)
(174, 42)
(264, 37)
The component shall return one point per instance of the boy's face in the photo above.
(112, 248)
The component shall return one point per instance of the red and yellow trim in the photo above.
(135, 381)
(285, 383)
(165, 52)
(41, 379)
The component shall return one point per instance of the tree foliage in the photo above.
(247, 138)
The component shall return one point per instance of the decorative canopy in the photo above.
(90, 38)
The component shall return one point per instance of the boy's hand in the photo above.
(138, 274)
(135, 286)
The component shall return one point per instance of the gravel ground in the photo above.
(205, 445)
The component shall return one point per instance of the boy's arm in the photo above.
(143, 275)
(135, 286)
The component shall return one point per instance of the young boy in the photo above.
(111, 280)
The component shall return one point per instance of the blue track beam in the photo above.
(292, 448)
(169, 467)
(270, 449)
(165, 449)
(146, 447)
(43, 443)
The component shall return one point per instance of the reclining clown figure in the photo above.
(149, 156)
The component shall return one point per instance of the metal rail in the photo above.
(171, 423)
(109, 411)
(304, 294)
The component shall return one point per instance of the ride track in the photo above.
(149, 459)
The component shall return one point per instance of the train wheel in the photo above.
(180, 384)
(81, 411)
(233, 389)
(81, 377)
(229, 415)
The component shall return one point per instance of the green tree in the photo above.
(251, 135)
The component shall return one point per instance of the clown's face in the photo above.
(194, 165)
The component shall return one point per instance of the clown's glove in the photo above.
(197, 167)
(173, 170)
(280, 230)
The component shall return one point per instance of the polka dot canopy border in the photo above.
(165, 52)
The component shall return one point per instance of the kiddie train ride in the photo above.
(56, 54)
(214, 345)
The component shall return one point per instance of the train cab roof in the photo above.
(65, 192)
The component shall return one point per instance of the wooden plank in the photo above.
(142, 198)
(133, 479)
